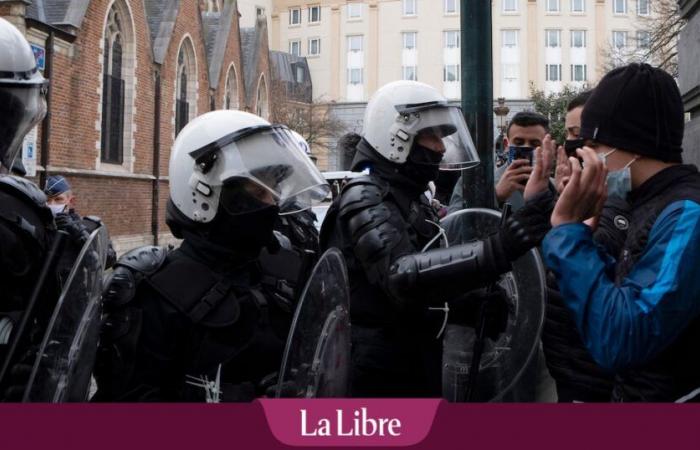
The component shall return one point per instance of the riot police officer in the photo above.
(26, 223)
(203, 312)
(387, 231)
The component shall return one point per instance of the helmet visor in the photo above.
(447, 123)
(21, 108)
(267, 164)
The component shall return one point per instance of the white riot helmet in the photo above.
(22, 92)
(399, 111)
(222, 158)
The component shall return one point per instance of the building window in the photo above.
(213, 6)
(299, 72)
(620, 6)
(578, 38)
(259, 11)
(231, 90)
(186, 90)
(643, 39)
(295, 16)
(511, 72)
(354, 43)
(314, 47)
(451, 39)
(295, 47)
(450, 6)
(262, 107)
(578, 72)
(314, 14)
(510, 5)
(553, 72)
(354, 10)
(354, 76)
(578, 6)
(552, 38)
(643, 8)
(409, 73)
(552, 5)
(451, 73)
(113, 92)
(409, 7)
(619, 39)
(509, 38)
(409, 40)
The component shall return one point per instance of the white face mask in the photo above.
(57, 209)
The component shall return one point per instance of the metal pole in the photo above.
(477, 99)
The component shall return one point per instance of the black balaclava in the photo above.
(420, 167)
(228, 238)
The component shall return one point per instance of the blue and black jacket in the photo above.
(638, 312)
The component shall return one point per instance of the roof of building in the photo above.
(161, 16)
(59, 13)
(217, 28)
(294, 72)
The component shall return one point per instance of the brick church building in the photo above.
(126, 76)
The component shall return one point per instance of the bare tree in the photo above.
(314, 120)
(655, 39)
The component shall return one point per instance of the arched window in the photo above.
(186, 88)
(113, 91)
(231, 89)
(262, 107)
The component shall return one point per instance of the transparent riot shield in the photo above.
(316, 360)
(64, 363)
(505, 360)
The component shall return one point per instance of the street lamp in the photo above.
(501, 112)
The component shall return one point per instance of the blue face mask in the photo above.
(619, 181)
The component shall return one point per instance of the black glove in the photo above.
(465, 310)
(526, 228)
(74, 227)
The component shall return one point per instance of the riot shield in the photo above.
(64, 363)
(316, 359)
(505, 360)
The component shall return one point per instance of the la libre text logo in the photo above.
(358, 423)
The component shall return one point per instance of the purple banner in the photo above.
(273, 423)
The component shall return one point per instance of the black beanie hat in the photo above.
(636, 108)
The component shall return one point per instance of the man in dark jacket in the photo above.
(638, 314)
(400, 280)
(205, 311)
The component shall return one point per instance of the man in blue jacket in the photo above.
(638, 311)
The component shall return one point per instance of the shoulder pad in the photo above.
(93, 222)
(361, 192)
(144, 260)
(27, 191)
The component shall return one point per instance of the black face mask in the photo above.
(570, 145)
(422, 165)
(244, 233)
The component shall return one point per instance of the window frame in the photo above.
(584, 73)
(359, 70)
(458, 39)
(614, 5)
(291, 15)
(576, 11)
(351, 38)
(547, 33)
(310, 16)
(548, 73)
(415, 73)
(457, 73)
(515, 32)
(648, 3)
(349, 6)
(450, 13)
(551, 11)
(308, 46)
(295, 41)
(404, 35)
(639, 39)
(415, 8)
(584, 39)
(620, 33)
(509, 11)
